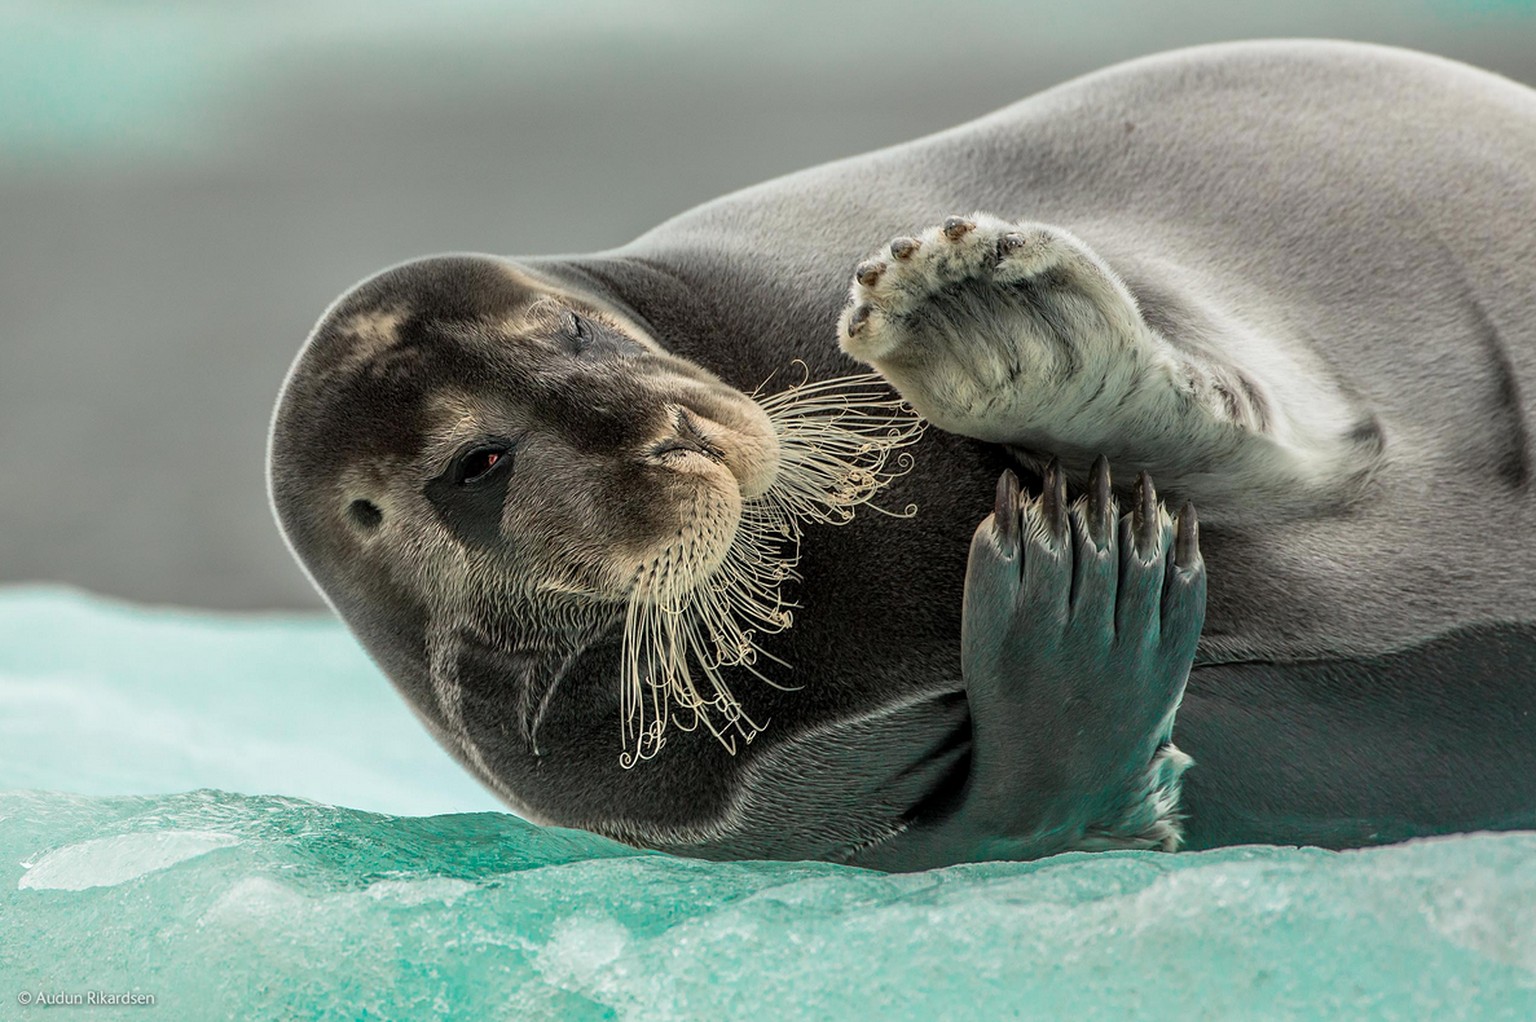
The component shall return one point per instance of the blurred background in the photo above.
(184, 187)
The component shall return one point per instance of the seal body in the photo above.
(1349, 232)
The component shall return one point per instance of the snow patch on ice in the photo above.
(109, 861)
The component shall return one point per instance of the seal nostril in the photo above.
(365, 514)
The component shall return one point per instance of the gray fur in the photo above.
(1366, 214)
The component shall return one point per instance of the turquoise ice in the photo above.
(225, 905)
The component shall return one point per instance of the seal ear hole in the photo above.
(365, 514)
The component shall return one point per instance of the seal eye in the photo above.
(577, 334)
(478, 464)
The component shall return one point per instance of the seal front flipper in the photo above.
(1078, 633)
(1021, 334)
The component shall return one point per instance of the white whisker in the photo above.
(682, 633)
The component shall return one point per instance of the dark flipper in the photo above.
(1078, 633)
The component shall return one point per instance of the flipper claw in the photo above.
(857, 321)
(957, 227)
(1053, 501)
(1146, 524)
(1186, 543)
(1101, 505)
(1006, 507)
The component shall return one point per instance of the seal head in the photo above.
(470, 440)
(469, 457)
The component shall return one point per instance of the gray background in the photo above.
(183, 188)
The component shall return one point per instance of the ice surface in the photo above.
(279, 908)
(243, 906)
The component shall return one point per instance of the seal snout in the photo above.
(724, 444)
(689, 438)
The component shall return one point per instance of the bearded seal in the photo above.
(1290, 280)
